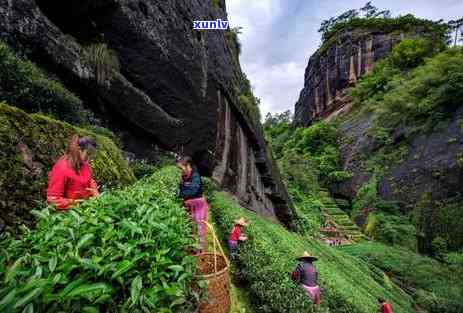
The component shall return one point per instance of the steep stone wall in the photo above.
(333, 69)
(170, 86)
(244, 169)
(431, 163)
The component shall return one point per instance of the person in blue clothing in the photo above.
(191, 191)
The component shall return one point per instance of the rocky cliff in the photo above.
(337, 66)
(175, 88)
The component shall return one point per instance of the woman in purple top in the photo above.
(306, 275)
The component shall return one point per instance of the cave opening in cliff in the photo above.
(77, 18)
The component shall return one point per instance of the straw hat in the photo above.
(306, 255)
(241, 222)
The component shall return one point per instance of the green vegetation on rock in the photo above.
(415, 101)
(414, 91)
(370, 18)
(125, 251)
(248, 102)
(104, 61)
(26, 86)
(315, 148)
(267, 258)
(29, 146)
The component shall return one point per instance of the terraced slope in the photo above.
(267, 258)
(340, 219)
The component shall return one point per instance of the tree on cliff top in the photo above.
(456, 27)
(370, 16)
(368, 11)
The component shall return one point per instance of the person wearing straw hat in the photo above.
(236, 236)
(306, 275)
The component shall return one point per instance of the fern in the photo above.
(104, 61)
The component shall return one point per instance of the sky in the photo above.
(279, 36)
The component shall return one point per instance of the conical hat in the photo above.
(306, 255)
(241, 221)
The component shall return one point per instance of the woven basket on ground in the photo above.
(214, 269)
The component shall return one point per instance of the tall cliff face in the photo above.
(337, 66)
(175, 88)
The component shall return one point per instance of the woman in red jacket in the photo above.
(70, 180)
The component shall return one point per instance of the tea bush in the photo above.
(436, 286)
(122, 252)
(267, 258)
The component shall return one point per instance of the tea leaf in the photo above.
(84, 240)
(8, 298)
(52, 264)
(29, 297)
(89, 289)
(135, 289)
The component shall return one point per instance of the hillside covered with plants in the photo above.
(268, 257)
(391, 160)
(125, 251)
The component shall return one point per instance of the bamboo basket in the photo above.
(214, 270)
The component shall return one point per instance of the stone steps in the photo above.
(340, 218)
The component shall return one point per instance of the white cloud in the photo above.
(276, 85)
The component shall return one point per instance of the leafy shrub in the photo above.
(231, 36)
(447, 223)
(105, 132)
(122, 252)
(104, 60)
(410, 53)
(367, 196)
(318, 144)
(391, 229)
(307, 220)
(277, 128)
(267, 258)
(143, 168)
(417, 101)
(299, 173)
(24, 85)
(370, 90)
(435, 286)
(455, 258)
(248, 102)
(439, 247)
(309, 158)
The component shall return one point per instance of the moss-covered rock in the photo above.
(29, 146)
(25, 85)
